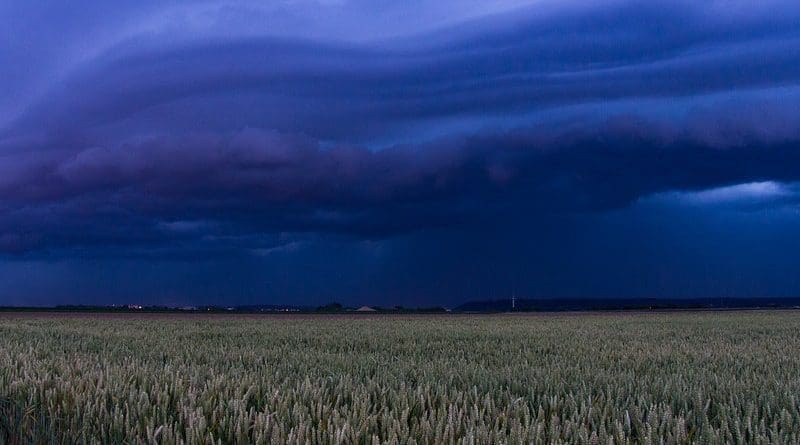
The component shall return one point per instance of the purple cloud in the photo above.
(257, 182)
(211, 135)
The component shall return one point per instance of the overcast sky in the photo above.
(397, 152)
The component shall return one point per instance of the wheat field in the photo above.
(637, 378)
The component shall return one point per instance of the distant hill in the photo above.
(528, 305)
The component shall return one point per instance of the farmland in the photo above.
(703, 377)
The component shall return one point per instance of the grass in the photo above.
(593, 379)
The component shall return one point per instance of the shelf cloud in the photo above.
(171, 131)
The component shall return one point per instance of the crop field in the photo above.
(703, 377)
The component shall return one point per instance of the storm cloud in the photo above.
(178, 132)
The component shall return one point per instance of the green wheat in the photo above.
(589, 379)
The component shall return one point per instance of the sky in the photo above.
(411, 153)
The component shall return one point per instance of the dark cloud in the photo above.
(164, 189)
(526, 62)
(176, 132)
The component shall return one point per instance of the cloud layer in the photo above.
(185, 131)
